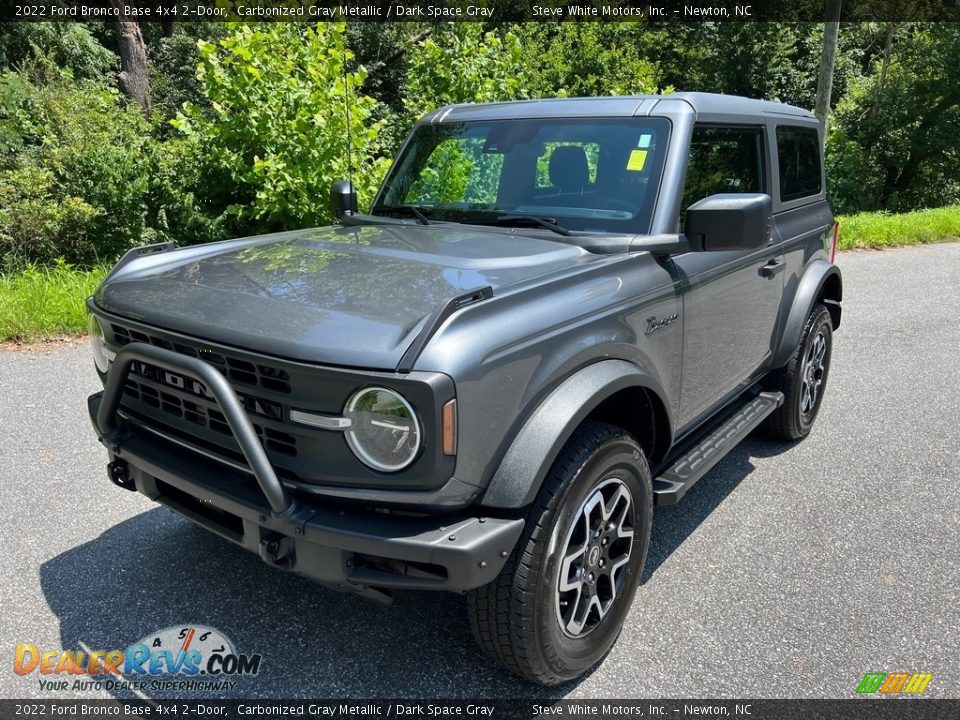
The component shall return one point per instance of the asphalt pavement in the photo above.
(789, 571)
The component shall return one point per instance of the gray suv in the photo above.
(556, 316)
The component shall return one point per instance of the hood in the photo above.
(353, 296)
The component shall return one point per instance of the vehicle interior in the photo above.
(583, 175)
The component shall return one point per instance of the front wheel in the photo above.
(804, 379)
(559, 603)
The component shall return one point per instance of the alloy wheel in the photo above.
(812, 374)
(594, 558)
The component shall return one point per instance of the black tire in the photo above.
(803, 374)
(521, 619)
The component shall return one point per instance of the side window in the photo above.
(723, 160)
(798, 150)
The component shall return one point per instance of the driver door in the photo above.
(731, 300)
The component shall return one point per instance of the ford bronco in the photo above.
(556, 316)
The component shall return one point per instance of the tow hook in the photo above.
(276, 550)
(119, 473)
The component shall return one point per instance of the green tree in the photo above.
(585, 59)
(173, 69)
(893, 145)
(75, 171)
(71, 48)
(278, 129)
(460, 63)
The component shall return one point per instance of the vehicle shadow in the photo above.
(673, 524)
(157, 570)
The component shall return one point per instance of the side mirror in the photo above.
(343, 198)
(729, 221)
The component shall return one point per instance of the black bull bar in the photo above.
(238, 421)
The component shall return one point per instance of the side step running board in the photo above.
(673, 483)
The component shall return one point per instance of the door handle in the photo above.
(773, 266)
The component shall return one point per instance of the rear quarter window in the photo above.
(798, 153)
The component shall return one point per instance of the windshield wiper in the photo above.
(519, 220)
(409, 210)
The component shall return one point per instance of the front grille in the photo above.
(204, 415)
(185, 402)
(234, 368)
(175, 381)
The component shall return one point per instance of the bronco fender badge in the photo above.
(653, 324)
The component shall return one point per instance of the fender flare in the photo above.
(535, 447)
(811, 283)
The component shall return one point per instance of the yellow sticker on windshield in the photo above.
(638, 158)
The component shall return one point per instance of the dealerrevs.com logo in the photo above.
(894, 683)
(181, 657)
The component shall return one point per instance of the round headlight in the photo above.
(384, 432)
(97, 344)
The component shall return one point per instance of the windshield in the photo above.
(599, 175)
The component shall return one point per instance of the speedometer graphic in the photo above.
(193, 643)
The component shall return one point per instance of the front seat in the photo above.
(568, 169)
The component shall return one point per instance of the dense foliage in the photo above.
(249, 124)
(76, 171)
(894, 143)
(277, 122)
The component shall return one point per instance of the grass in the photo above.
(879, 230)
(40, 303)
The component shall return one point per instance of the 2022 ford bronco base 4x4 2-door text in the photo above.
(557, 315)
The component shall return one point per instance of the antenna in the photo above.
(346, 109)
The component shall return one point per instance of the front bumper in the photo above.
(346, 547)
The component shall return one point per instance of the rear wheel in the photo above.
(558, 605)
(804, 379)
